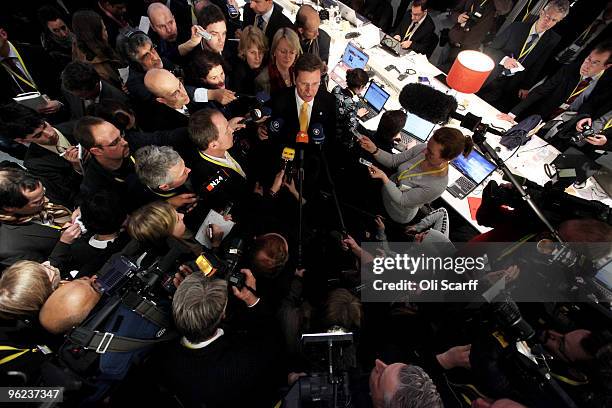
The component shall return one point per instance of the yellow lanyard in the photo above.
(411, 31)
(13, 356)
(608, 124)
(236, 167)
(525, 52)
(578, 92)
(30, 81)
(481, 4)
(165, 195)
(406, 173)
(586, 32)
(526, 11)
(120, 179)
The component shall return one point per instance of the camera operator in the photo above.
(216, 366)
(601, 129)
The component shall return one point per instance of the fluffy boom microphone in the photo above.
(427, 103)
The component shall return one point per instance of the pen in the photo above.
(210, 231)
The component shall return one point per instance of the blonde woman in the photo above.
(284, 52)
(253, 54)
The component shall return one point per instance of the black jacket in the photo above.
(545, 98)
(28, 241)
(323, 39)
(57, 175)
(108, 92)
(277, 20)
(424, 40)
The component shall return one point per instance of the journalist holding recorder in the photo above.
(422, 171)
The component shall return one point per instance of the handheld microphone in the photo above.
(318, 134)
(287, 161)
(253, 116)
(219, 178)
(301, 137)
(276, 125)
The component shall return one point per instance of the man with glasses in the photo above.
(417, 30)
(52, 154)
(585, 88)
(30, 225)
(82, 86)
(522, 44)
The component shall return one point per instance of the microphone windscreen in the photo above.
(317, 133)
(276, 125)
(427, 103)
(288, 154)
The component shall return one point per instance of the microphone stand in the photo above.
(300, 205)
(332, 186)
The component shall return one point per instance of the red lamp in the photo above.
(469, 71)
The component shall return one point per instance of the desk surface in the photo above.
(527, 161)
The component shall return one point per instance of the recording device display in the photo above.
(365, 162)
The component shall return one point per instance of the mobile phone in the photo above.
(231, 10)
(365, 162)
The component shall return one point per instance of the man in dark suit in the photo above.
(530, 45)
(30, 226)
(173, 42)
(417, 30)
(82, 86)
(313, 40)
(583, 88)
(52, 155)
(27, 68)
(266, 15)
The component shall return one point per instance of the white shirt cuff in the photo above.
(256, 302)
(200, 95)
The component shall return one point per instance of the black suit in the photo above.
(109, 92)
(545, 98)
(277, 20)
(502, 91)
(323, 39)
(28, 241)
(56, 174)
(163, 117)
(40, 65)
(424, 40)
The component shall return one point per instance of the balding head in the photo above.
(307, 22)
(162, 21)
(166, 87)
(68, 306)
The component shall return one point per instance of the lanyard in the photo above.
(18, 353)
(411, 31)
(608, 124)
(29, 81)
(481, 4)
(120, 179)
(406, 173)
(524, 52)
(236, 167)
(165, 195)
(577, 91)
(586, 32)
(526, 11)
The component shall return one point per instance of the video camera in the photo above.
(579, 137)
(228, 267)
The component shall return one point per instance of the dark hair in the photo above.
(420, 3)
(79, 76)
(605, 46)
(209, 15)
(111, 111)
(391, 122)
(103, 213)
(202, 131)
(427, 103)
(300, 17)
(308, 63)
(83, 130)
(130, 42)
(453, 142)
(49, 13)
(200, 66)
(87, 27)
(274, 246)
(17, 121)
(356, 78)
(13, 181)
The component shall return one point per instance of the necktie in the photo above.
(582, 85)
(260, 22)
(530, 43)
(304, 117)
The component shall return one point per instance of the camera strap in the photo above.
(102, 342)
(146, 309)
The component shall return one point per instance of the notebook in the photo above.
(353, 57)
(474, 169)
(373, 101)
(416, 128)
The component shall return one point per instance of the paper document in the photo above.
(519, 68)
(33, 100)
(144, 25)
(213, 217)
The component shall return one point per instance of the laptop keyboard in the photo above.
(461, 187)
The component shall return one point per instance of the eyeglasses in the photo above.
(115, 142)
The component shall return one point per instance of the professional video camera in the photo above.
(228, 267)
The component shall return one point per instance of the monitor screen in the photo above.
(376, 96)
(418, 127)
(604, 275)
(475, 166)
(354, 58)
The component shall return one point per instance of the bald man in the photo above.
(69, 305)
(312, 39)
(169, 109)
(172, 42)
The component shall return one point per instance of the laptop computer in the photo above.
(603, 282)
(474, 169)
(351, 16)
(391, 45)
(373, 101)
(416, 128)
(353, 57)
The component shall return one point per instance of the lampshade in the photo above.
(469, 71)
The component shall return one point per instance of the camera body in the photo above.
(579, 138)
(473, 19)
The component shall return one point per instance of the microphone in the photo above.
(471, 122)
(301, 137)
(252, 116)
(318, 134)
(287, 160)
(219, 178)
(276, 125)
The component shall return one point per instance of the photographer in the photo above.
(602, 128)
(216, 366)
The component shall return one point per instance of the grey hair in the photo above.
(153, 164)
(415, 390)
(561, 6)
(198, 306)
(130, 46)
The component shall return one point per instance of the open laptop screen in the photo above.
(604, 275)
(418, 127)
(376, 96)
(476, 167)
(354, 58)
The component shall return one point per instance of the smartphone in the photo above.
(365, 162)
